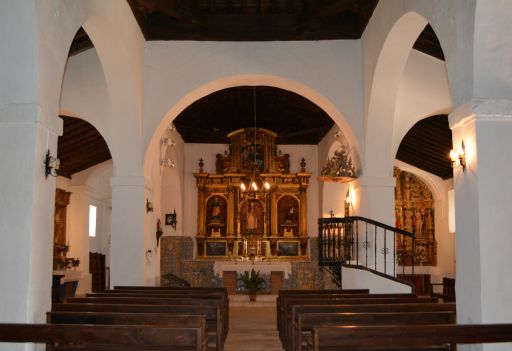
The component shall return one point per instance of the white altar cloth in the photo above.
(241, 266)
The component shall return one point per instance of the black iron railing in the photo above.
(170, 279)
(365, 243)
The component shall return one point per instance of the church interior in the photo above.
(334, 145)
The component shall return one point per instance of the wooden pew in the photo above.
(414, 337)
(105, 337)
(282, 301)
(307, 321)
(120, 318)
(214, 326)
(297, 310)
(285, 328)
(163, 292)
(448, 294)
(298, 292)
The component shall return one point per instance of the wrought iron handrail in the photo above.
(170, 279)
(359, 241)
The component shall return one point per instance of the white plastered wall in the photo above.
(38, 35)
(423, 91)
(387, 42)
(117, 71)
(326, 72)
(172, 194)
(88, 187)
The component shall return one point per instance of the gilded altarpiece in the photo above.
(275, 218)
(414, 212)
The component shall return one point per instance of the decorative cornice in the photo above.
(482, 110)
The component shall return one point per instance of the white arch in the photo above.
(251, 80)
(386, 80)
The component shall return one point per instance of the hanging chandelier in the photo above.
(254, 186)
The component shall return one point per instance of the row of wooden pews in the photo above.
(132, 318)
(356, 320)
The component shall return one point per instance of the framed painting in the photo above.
(216, 248)
(288, 248)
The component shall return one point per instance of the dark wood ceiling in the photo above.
(295, 119)
(252, 20)
(81, 146)
(256, 20)
(427, 146)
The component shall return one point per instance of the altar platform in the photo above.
(274, 273)
(262, 300)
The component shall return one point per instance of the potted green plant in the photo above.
(252, 282)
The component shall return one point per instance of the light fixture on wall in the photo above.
(51, 165)
(170, 219)
(348, 203)
(458, 157)
(167, 163)
(167, 141)
(149, 206)
(254, 185)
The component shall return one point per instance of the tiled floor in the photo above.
(252, 326)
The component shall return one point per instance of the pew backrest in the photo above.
(130, 337)
(349, 337)
(307, 321)
(211, 312)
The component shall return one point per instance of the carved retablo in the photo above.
(414, 212)
(229, 219)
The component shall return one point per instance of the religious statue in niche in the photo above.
(414, 211)
(216, 215)
(252, 217)
(288, 207)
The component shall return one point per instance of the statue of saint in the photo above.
(289, 215)
(252, 219)
(216, 210)
(418, 223)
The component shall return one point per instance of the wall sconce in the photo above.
(167, 163)
(459, 157)
(167, 142)
(149, 206)
(51, 165)
(159, 231)
(170, 219)
(348, 203)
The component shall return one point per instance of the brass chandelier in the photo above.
(254, 186)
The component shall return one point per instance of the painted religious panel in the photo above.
(414, 212)
(253, 156)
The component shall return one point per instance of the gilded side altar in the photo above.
(231, 222)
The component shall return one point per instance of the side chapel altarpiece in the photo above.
(275, 220)
(414, 212)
